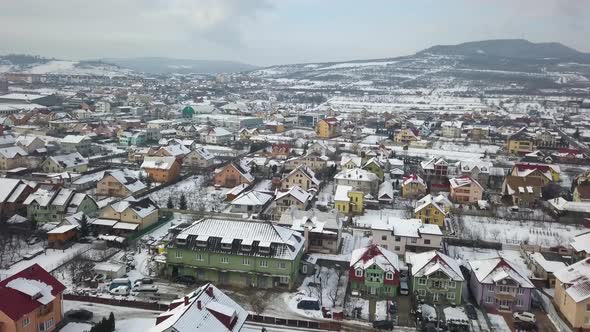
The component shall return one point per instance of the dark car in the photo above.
(470, 311)
(308, 304)
(189, 280)
(79, 315)
(525, 326)
(147, 281)
(383, 325)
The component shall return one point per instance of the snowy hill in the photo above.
(38, 65)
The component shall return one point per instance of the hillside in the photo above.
(40, 65)
(180, 66)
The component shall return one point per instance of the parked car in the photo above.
(383, 325)
(120, 282)
(308, 303)
(189, 280)
(525, 326)
(120, 290)
(146, 281)
(403, 288)
(524, 316)
(470, 311)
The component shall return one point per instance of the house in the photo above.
(293, 197)
(581, 187)
(133, 138)
(522, 191)
(520, 142)
(246, 133)
(280, 150)
(76, 143)
(322, 231)
(350, 161)
(328, 128)
(386, 193)
(452, 129)
(478, 170)
(73, 162)
(349, 201)
(59, 237)
(547, 173)
(322, 148)
(413, 186)
(231, 175)
(465, 190)
(250, 202)
(432, 210)
(13, 157)
(207, 309)
(244, 253)
(119, 183)
(313, 161)
(499, 284)
(31, 301)
(161, 169)
(580, 245)
(572, 294)
(359, 180)
(177, 151)
(568, 212)
(401, 236)
(142, 212)
(435, 167)
(49, 203)
(376, 167)
(30, 143)
(13, 195)
(436, 278)
(406, 136)
(217, 135)
(303, 177)
(374, 272)
(544, 266)
(199, 158)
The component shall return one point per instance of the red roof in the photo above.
(542, 168)
(16, 304)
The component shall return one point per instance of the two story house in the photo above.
(119, 183)
(374, 272)
(161, 169)
(432, 209)
(322, 231)
(73, 162)
(141, 213)
(465, 190)
(328, 128)
(413, 186)
(360, 180)
(293, 197)
(303, 177)
(199, 158)
(435, 277)
(76, 143)
(406, 235)
(572, 294)
(231, 175)
(13, 157)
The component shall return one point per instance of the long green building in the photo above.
(236, 252)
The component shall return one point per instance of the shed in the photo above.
(60, 236)
(110, 270)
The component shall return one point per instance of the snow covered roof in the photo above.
(357, 174)
(560, 204)
(74, 139)
(158, 162)
(406, 227)
(495, 269)
(364, 258)
(463, 182)
(127, 178)
(204, 153)
(547, 265)
(439, 202)
(62, 229)
(69, 160)
(413, 179)
(581, 242)
(429, 164)
(342, 193)
(467, 166)
(577, 277)
(12, 151)
(356, 160)
(385, 191)
(452, 124)
(427, 263)
(7, 187)
(284, 243)
(142, 207)
(205, 309)
(42, 196)
(252, 198)
(295, 191)
(320, 222)
(176, 150)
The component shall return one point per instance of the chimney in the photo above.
(186, 300)
(209, 291)
(199, 306)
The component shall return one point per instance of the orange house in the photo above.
(232, 175)
(161, 169)
(60, 236)
(30, 301)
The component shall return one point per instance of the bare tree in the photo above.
(495, 233)
(259, 302)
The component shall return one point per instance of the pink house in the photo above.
(465, 190)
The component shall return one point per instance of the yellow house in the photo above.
(520, 143)
(349, 201)
(413, 186)
(571, 294)
(143, 212)
(405, 136)
(432, 210)
(328, 128)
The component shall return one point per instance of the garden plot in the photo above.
(515, 232)
(356, 306)
(198, 196)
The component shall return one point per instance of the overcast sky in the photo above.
(265, 32)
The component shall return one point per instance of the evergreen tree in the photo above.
(182, 204)
(576, 134)
(112, 321)
(84, 231)
(170, 204)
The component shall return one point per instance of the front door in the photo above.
(435, 297)
(372, 290)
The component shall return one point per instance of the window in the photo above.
(588, 307)
(284, 280)
(414, 240)
(178, 254)
(26, 321)
(224, 260)
(199, 257)
(46, 326)
(384, 237)
(263, 263)
(397, 239)
(397, 248)
(281, 265)
(389, 276)
(358, 273)
(422, 292)
(452, 284)
(450, 296)
(426, 241)
(489, 299)
(520, 291)
(519, 302)
(490, 288)
(245, 261)
(422, 281)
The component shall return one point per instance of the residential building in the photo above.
(313, 161)
(177, 151)
(231, 175)
(580, 245)
(73, 162)
(376, 167)
(328, 128)
(406, 136)
(280, 150)
(452, 129)
(413, 186)
(477, 169)
(293, 197)
(251, 202)
(572, 294)
(465, 190)
(499, 284)
(142, 212)
(216, 135)
(199, 158)
(206, 308)
(436, 278)
(386, 194)
(303, 177)
(374, 272)
(349, 201)
(76, 143)
(322, 148)
(30, 143)
(322, 231)
(13, 195)
(522, 191)
(237, 252)
(49, 203)
(350, 161)
(520, 142)
(119, 183)
(13, 157)
(544, 266)
(545, 172)
(432, 209)
(161, 169)
(359, 180)
(31, 301)
(406, 235)
(581, 187)
(435, 167)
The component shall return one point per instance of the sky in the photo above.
(268, 32)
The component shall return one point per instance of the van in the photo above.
(403, 288)
(308, 303)
(120, 282)
(120, 290)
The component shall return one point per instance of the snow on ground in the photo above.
(473, 148)
(126, 319)
(466, 254)
(326, 195)
(516, 232)
(198, 196)
(50, 260)
(372, 216)
(498, 323)
(430, 153)
(77, 327)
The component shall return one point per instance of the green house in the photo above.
(374, 166)
(240, 253)
(435, 277)
(374, 272)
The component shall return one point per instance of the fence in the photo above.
(551, 312)
(318, 325)
(117, 302)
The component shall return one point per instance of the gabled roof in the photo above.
(581, 242)
(439, 202)
(463, 181)
(427, 263)
(127, 178)
(319, 221)
(13, 151)
(69, 160)
(364, 258)
(74, 139)
(252, 198)
(406, 227)
(295, 191)
(307, 172)
(357, 174)
(27, 290)
(413, 178)
(204, 153)
(142, 207)
(430, 164)
(493, 270)
(577, 280)
(158, 162)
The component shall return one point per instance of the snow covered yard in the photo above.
(198, 196)
(470, 147)
(326, 195)
(372, 216)
(515, 232)
(356, 306)
(126, 319)
(499, 323)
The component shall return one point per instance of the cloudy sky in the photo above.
(265, 32)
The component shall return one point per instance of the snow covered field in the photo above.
(473, 148)
(198, 196)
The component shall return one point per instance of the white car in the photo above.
(121, 290)
(524, 316)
